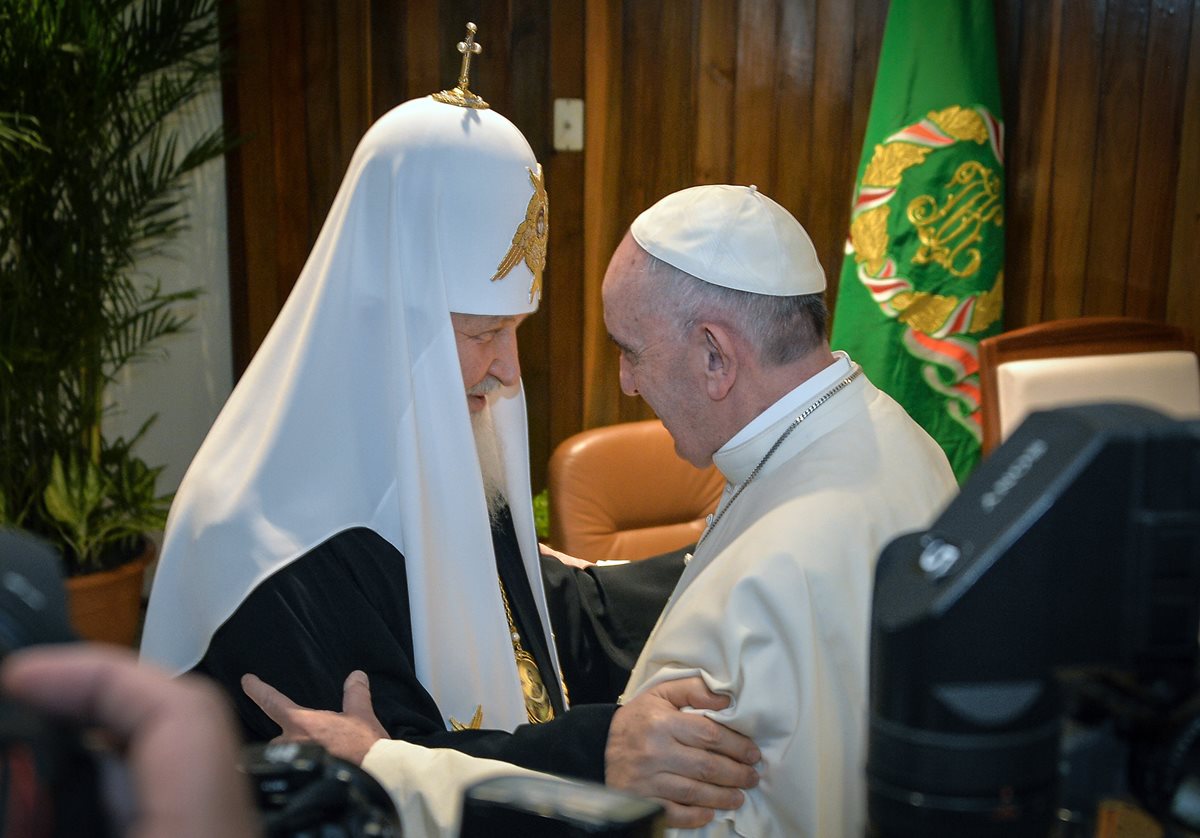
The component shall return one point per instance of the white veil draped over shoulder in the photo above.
(353, 412)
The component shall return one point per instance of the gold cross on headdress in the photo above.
(467, 48)
(462, 95)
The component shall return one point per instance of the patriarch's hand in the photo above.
(347, 735)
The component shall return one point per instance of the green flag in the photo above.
(923, 276)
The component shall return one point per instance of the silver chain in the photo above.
(804, 414)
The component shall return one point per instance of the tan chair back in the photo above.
(621, 492)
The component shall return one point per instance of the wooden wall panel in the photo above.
(243, 83)
(1152, 213)
(423, 50)
(1074, 156)
(351, 24)
(794, 93)
(318, 73)
(716, 69)
(322, 149)
(1102, 150)
(1097, 157)
(562, 310)
(604, 123)
(756, 109)
(1183, 289)
(1120, 83)
(1028, 157)
(289, 139)
(833, 165)
(387, 66)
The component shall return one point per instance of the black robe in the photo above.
(344, 606)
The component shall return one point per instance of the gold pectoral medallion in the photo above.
(537, 699)
(538, 708)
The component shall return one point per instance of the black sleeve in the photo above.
(571, 745)
(602, 617)
(340, 607)
(344, 606)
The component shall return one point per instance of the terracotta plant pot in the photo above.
(107, 606)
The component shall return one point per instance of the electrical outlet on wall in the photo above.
(568, 125)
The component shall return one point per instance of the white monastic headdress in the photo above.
(353, 412)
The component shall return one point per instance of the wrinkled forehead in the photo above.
(483, 322)
(627, 316)
(626, 269)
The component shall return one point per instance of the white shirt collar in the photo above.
(791, 401)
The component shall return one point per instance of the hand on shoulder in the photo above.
(687, 761)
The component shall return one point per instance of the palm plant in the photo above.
(91, 176)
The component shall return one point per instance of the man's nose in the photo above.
(506, 366)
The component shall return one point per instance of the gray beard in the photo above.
(491, 460)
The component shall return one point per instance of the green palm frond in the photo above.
(92, 171)
(17, 130)
(139, 319)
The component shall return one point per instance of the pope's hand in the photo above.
(347, 735)
(687, 761)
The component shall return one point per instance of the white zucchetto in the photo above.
(732, 236)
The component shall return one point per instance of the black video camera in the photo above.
(49, 781)
(1035, 651)
(304, 791)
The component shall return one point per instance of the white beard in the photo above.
(491, 460)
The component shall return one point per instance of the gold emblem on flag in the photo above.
(889, 162)
(946, 230)
(927, 312)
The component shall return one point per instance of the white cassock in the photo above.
(427, 784)
(774, 608)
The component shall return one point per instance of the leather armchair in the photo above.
(621, 492)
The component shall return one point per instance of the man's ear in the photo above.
(720, 360)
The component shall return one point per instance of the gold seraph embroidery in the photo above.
(529, 242)
(462, 95)
(475, 724)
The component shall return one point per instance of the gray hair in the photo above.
(782, 329)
